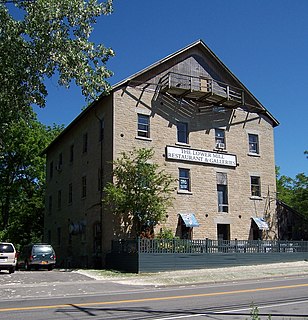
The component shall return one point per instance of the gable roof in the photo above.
(203, 47)
(197, 44)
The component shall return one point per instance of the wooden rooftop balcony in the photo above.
(202, 89)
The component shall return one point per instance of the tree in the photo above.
(46, 38)
(293, 192)
(38, 40)
(141, 191)
(22, 180)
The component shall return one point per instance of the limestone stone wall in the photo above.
(76, 247)
(202, 200)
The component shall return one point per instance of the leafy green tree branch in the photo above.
(141, 192)
(44, 38)
(294, 192)
(22, 179)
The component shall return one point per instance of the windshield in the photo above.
(42, 249)
(6, 248)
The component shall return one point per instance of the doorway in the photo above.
(223, 231)
(182, 231)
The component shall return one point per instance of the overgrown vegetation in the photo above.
(254, 314)
(22, 180)
(293, 192)
(38, 40)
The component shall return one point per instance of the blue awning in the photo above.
(261, 223)
(189, 220)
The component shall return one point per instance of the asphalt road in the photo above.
(68, 295)
(43, 284)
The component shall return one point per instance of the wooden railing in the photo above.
(145, 246)
(185, 83)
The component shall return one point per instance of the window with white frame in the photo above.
(222, 192)
(143, 126)
(184, 179)
(253, 143)
(220, 139)
(182, 132)
(255, 185)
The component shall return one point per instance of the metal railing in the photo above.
(145, 246)
(202, 84)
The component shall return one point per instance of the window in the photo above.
(182, 132)
(84, 187)
(222, 192)
(70, 193)
(222, 198)
(255, 186)
(85, 143)
(59, 199)
(60, 162)
(97, 239)
(220, 141)
(51, 169)
(253, 143)
(184, 179)
(143, 126)
(50, 205)
(72, 153)
(101, 129)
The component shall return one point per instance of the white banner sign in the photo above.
(193, 155)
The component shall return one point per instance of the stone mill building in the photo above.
(207, 130)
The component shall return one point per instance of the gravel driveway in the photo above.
(42, 283)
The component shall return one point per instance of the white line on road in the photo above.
(228, 311)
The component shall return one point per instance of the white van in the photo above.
(8, 257)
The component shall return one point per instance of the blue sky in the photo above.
(263, 42)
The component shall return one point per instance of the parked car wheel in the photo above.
(12, 270)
